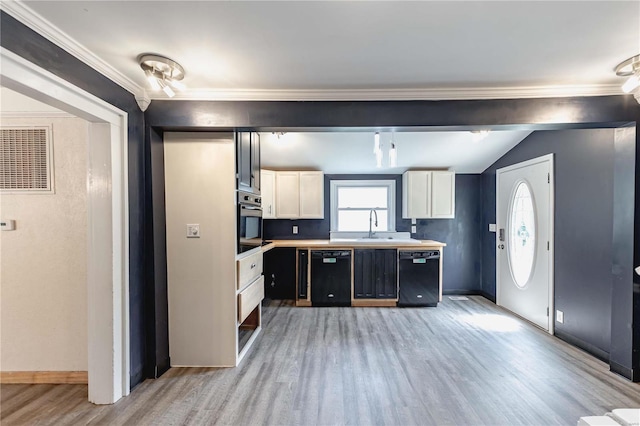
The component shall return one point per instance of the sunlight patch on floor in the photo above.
(491, 322)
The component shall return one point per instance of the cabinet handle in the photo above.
(253, 265)
(269, 208)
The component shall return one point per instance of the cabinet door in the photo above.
(243, 160)
(280, 273)
(255, 162)
(443, 199)
(386, 262)
(364, 283)
(267, 192)
(416, 194)
(311, 195)
(288, 195)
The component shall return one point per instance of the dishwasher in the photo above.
(331, 278)
(419, 278)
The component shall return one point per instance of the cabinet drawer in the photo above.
(249, 269)
(249, 298)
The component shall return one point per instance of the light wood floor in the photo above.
(464, 362)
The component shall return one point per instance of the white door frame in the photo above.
(108, 221)
(545, 158)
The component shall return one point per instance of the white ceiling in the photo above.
(344, 49)
(352, 152)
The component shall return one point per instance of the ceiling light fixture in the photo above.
(378, 152)
(162, 73)
(393, 154)
(630, 68)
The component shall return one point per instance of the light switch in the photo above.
(193, 230)
(492, 227)
(295, 229)
(7, 225)
(413, 229)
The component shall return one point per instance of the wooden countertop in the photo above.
(424, 244)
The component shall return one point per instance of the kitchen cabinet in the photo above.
(375, 274)
(443, 195)
(299, 195)
(311, 195)
(268, 194)
(280, 273)
(248, 161)
(428, 194)
(287, 195)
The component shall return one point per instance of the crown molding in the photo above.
(31, 19)
(434, 94)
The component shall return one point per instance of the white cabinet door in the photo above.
(311, 195)
(443, 199)
(268, 195)
(416, 194)
(288, 195)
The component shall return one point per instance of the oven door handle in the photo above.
(251, 211)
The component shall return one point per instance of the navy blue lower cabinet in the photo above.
(280, 273)
(375, 274)
(331, 278)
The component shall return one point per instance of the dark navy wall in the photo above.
(461, 258)
(584, 177)
(28, 44)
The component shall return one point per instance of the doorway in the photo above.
(107, 219)
(524, 252)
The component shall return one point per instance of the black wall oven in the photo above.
(249, 222)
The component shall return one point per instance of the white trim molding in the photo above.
(431, 94)
(108, 226)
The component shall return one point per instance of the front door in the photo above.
(524, 255)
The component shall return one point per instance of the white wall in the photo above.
(43, 263)
(200, 189)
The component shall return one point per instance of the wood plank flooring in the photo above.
(464, 362)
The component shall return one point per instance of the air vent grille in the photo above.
(25, 159)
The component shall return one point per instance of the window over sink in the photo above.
(355, 202)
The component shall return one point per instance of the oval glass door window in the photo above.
(522, 235)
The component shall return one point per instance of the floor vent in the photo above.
(25, 159)
(458, 298)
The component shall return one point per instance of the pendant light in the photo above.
(393, 154)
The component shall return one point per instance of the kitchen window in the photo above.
(353, 202)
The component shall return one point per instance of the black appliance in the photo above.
(419, 278)
(330, 278)
(249, 227)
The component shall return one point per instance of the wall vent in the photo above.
(26, 160)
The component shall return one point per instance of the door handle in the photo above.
(501, 234)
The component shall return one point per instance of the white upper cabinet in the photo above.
(298, 195)
(288, 195)
(428, 194)
(443, 198)
(268, 193)
(416, 194)
(311, 195)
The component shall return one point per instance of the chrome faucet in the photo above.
(371, 232)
